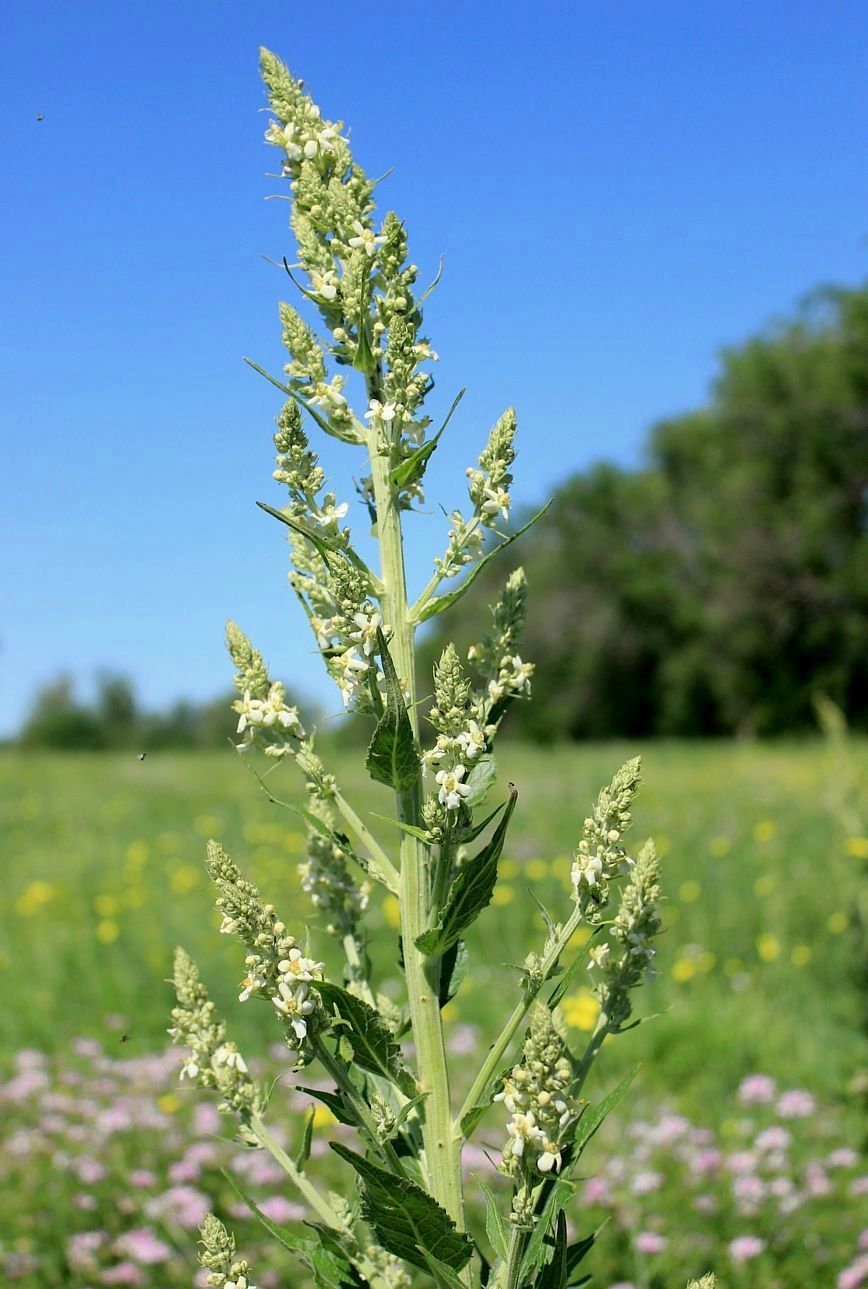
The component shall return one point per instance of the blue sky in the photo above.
(619, 188)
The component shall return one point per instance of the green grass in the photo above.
(762, 864)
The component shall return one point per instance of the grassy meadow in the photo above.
(761, 969)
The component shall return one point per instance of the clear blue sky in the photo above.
(619, 187)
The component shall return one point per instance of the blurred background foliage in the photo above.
(720, 587)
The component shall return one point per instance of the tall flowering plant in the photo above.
(405, 1223)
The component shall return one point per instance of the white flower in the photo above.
(249, 985)
(368, 624)
(451, 788)
(598, 956)
(496, 499)
(523, 1128)
(300, 967)
(331, 514)
(227, 1054)
(329, 397)
(190, 1069)
(324, 284)
(472, 740)
(378, 411)
(550, 1158)
(365, 238)
(283, 136)
(586, 868)
(228, 925)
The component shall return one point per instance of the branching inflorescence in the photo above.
(408, 1223)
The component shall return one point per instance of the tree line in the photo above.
(723, 586)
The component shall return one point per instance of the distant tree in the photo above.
(720, 587)
(58, 721)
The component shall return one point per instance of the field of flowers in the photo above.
(743, 1150)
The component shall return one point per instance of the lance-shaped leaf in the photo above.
(569, 975)
(393, 757)
(410, 829)
(470, 893)
(496, 1226)
(454, 966)
(559, 1195)
(412, 468)
(374, 1047)
(364, 359)
(323, 545)
(442, 602)
(593, 1118)
(476, 830)
(306, 1141)
(556, 1273)
(325, 425)
(406, 1220)
(336, 1102)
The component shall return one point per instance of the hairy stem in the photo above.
(382, 867)
(442, 1146)
(515, 1253)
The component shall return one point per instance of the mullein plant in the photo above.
(405, 1222)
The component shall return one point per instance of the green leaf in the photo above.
(321, 421)
(559, 1196)
(405, 1219)
(569, 975)
(363, 359)
(324, 547)
(374, 1047)
(331, 1267)
(470, 893)
(441, 603)
(495, 1223)
(453, 971)
(482, 775)
(336, 1102)
(393, 757)
(412, 468)
(470, 834)
(407, 828)
(304, 1151)
(576, 1252)
(592, 1118)
(443, 1274)
(556, 1273)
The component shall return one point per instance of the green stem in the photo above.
(382, 867)
(442, 1145)
(340, 1074)
(595, 1043)
(319, 1205)
(496, 1053)
(515, 1253)
(440, 575)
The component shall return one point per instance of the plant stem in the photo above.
(341, 1077)
(512, 1270)
(319, 1205)
(442, 1145)
(498, 1049)
(379, 860)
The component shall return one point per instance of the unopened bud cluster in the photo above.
(217, 1255)
(326, 879)
(536, 1094)
(212, 1061)
(505, 676)
(600, 855)
(636, 924)
(276, 967)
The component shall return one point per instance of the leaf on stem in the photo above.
(374, 1047)
(411, 829)
(441, 603)
(569, 975)
(592, 1119)
(412, 468)
(307, 1138)
(322, 544)
(331, 1267)
(453, 971)
(556, 1273)
(336, 1102)
(406, 1220)
(496, 1227)
(321, 421)
(482, 775)
(393, 757)
(470, 893)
